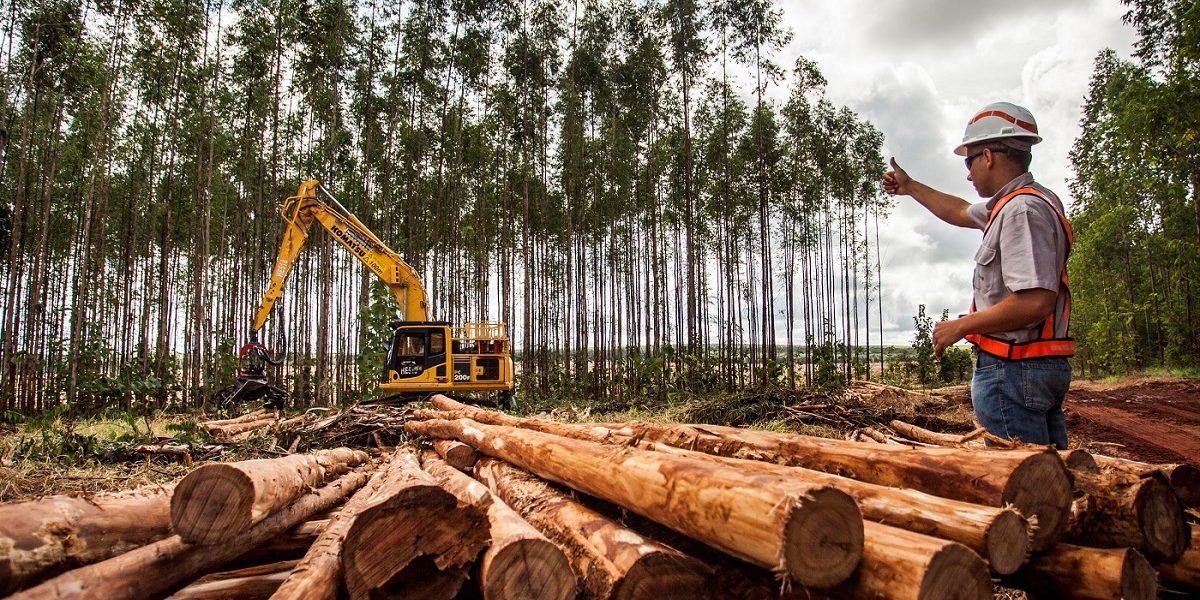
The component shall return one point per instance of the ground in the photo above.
(1151, 420)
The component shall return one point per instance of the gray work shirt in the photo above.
(1025, 248)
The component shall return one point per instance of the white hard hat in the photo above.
(1001, 121)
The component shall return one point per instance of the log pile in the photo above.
(533, 508)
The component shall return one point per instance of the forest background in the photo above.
(593, 173)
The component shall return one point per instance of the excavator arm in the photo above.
(312, 203)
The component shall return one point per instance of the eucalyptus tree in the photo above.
(685, 22)
(757, 31)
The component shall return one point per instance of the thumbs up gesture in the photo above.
(895, 182)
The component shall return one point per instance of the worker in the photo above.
(1018, 321)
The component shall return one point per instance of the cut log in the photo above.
(1035, 482)
(175, 451)
(1122, 509)
(151, 570)
(610, 560)
(217, 501)
(1000, 535)
(456, 453)
(42, 538)
(412, 539)
(1185, 572)
(1068, 571)
(233, 430)
(257, 415)
(251, 583)
(905, 565)
(810, 532)
(520, 562)
(921, 434)
(1080, 460)
(290, 545)
(319, 574)
(1184, 478)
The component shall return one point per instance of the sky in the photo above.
(918, 70)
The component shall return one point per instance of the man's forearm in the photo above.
(946, 207)
(1018, 310)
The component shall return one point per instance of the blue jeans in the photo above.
(1022, 399)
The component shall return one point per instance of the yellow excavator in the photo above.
(425, 356)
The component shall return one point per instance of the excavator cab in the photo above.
(429, 356)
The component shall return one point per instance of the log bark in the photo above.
(809, 532)
(42, 538)
(610, 560)
(1000, 535)
(290, 545)
(1184, 478)
(909, 566)
(520, 562)
(257, 415)
(921, 434)
(217, 501)
(412, 539)
(1121, 509)
(1035, 482)
(319, 574)
(456, 454)
(175, 451)
(251, 583)
(1068, 571)
(151, 570)
(1185, 572)
(231, 431)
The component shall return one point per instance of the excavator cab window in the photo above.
(437, 342)
(410, 345)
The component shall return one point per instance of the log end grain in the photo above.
(212, 503)
(1138, 579)
(1162, 521)
(663, 575)
(1080, 460)
(421, 533)
(1007, 542)
(955, 573)
(823, 538)
(1040, 488)
(529, 568)
(1186, 481)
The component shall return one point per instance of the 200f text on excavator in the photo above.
(425, 356)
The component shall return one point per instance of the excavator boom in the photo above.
(425, 356)
(308, 206)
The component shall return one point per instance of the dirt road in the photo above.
(1153, 420)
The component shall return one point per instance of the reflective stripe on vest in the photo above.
(1045, 344)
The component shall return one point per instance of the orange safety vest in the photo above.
(1046, 344)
